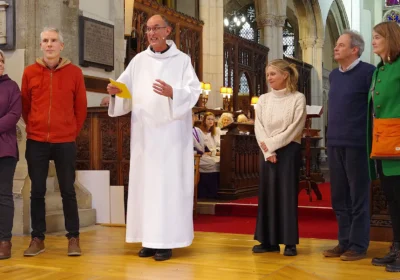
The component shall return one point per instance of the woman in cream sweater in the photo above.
(279, 123)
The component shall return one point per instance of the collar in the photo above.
(151, 48)
(279, 93)
(351, 66)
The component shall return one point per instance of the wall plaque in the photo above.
(7, 24)
(96, 44)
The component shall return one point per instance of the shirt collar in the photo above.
(351, 66)
(151, 48)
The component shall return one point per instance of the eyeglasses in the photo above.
(154, 29)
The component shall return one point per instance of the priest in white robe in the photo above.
(164, 89)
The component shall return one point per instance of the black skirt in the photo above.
(277, 221)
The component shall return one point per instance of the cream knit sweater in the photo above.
(280, 119)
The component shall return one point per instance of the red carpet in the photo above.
(308, 228)
(304, 199)
(316, 218)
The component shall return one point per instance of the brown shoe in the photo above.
(35, 248)
(5, 250)
(352, 256)
(334, 253)
(73, 247)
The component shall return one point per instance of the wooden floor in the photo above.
(212, 256)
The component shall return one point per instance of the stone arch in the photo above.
(311, 27)
(337, 17)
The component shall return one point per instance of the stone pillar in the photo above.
(117, 14)
(319, 98)
(48, 14)
(267, 22)
(280, 23)
(211, 12)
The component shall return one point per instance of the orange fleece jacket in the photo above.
(54, 103)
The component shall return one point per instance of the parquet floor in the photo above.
(212, 256)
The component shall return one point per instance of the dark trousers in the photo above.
(391, 188)
(350, 192)
(38, 155)
(277, 221)
(208, 185)
(7, 169)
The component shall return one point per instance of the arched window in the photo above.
(288, 40)
(243, 24)
(244, 88)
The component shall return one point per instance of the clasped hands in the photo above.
(159, 86)
(265, 149)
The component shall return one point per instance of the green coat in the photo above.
(386, 87)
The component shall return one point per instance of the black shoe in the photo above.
(264, 248)
(389, 258)
(163, 254)
(290, 250)
(395, 266)
(147, 252)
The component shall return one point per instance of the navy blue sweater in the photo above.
(348, 104)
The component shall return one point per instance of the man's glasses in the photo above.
(154, 29)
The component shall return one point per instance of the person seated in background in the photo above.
(225, 120)
(242, 118)
(209, 162)
(198, 140)
(105, 101)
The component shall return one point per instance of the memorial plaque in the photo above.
(96, 44)
(7, 24)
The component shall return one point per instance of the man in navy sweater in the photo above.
(346, 141)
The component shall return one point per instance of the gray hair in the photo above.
(60, 36)
(3, 56)
(167, 23)
(356, 40)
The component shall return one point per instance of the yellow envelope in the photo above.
(125, 91)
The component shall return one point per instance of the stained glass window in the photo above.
(288, 40)
(391, 3)
(244, 88)
(392, 15)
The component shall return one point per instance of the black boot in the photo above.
(394, 266)
(390, 257)
(290, 250)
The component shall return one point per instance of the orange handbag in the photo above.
(386, 139)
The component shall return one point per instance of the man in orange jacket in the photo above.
(54, 108)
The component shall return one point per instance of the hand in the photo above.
(272, 159)
(162, 88)
(113, 90)
(264, 147)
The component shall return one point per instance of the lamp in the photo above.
(205, 91)
(254, 101)
(226, 95)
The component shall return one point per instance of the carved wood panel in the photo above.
(244, 56)
(83, 148)
(104, 144)
(186, 32)
(379, 207)
(239, 173)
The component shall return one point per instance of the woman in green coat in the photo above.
(384, 102)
